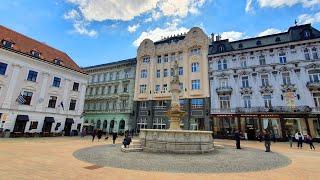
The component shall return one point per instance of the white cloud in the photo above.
(72, 14)
(159, 33)
(100, 10)
(309, 18)
(249, 6)
(133, 28)
(281, 3)
(232, 35)
(269, 32)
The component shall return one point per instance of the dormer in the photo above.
(7, 43)
(57, 61)
(35, 53)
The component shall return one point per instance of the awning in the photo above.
(22, 118)
(49, 119)
(69, 120)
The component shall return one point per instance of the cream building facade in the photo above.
(41, 89)
(153, 74)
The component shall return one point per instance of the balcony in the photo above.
(288, 88)
(275, 109)
(109, 111)
(224, 90)
(267, 89)
(246, 90)
(313, 86)
(225, 111)
(316, 110)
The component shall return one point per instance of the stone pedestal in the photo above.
(176, 141)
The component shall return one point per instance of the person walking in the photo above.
(94, 132)
(237, 138)
(299, 137)
(267, 141)
(309, 139)
(114, 137)
(290, 139)
(99, 134)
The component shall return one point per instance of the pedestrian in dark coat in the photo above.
(99, 134)
(267, 141)
(237, 138)
(309, 139)
(94, 133)
(114, 137)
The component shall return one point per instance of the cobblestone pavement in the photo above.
(228, 159)
(52, 158)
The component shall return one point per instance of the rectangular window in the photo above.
(32, 76)
(144, 73)
(262, 60)
(165, 87)
(224, 102)
(27, 96)
(146, 59)
(173, 57)
(158, 73)
(52, 102)
(247, 101)
(307, 54)
(197, 103)
(143, 104)
(264, 80)
(109, 89)
(243, 63)
(172, 72)
(180, 56)
(245, 82)
(195, 51)
(126, 75)
(315, 53)
(165, 73)
(166, 58)
(159, 60)
(56, 82)
(157, 88)
(286, 78)
(142, 123)
(223, 83)
(267, 101)
(181, 86)
(195, 84)
(7, 44)
(195, 67)
(115, 89)
(282, 58)
(75, 86)
(3, 68)
(72, 105)
(316, 99)
(33, 125)
(125, 88)
(180, 71)
(159, 123)
(111, 76)
(143, 88)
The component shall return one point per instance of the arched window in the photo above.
(219, 65)
(98, 124)
(122, 124)
(105, 125)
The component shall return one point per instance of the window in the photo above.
(117, 75)
(195, 51)
(306, 54)
(180, 56)
(56, 82)
(32, 76)
(7, 44)
(126, 75)
(195, 84)
(165, 73)
(243, 63)
(57, 61)
(173, 57)
(262, 60)
(225, 65)
(195, 67)
(109, 89)
(219, 65)
(35, 54)
(159, 123)
(264, 80)
(267, 101)
(224, 102)
(52, 102)
(278, 39)
(33, 125)
(111, 76)
(144, 73)
(172, 72)
(166, 58)
(165, 88)
(180, 71)
(72, 105)
(181, 86)
(223, 83)
(146, 59)
(3, 68)
(221, 48)
(240, 46)
(124, 104)
(315, 53)
(75, 86)
(286, 78)
(245, 82)
(157, 89)
(314, 75)
(143, 105)
(158, 73)
(142, 123)
(143, 88)
(259, 43)
(306, 34)
(115, 91)
(316, 99)
(27, 97)
(282, 58)
(159, 59)
(125, 88)
(247, 101)
(197, 103)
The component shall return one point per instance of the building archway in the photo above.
(122, 125)
(104, 126)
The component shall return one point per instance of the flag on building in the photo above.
(21, 99)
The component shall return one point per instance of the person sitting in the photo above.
(126, 141)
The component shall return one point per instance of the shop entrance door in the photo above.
(251, 132)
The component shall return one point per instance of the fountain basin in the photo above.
(176, 141)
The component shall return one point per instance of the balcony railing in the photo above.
(313, 85)
(261, 109)
(110, 111)
(316, 109)
(160, 107)
(225, 89)
(226, 110)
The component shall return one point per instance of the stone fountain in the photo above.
(174, 139)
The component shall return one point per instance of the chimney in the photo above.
(212, 37)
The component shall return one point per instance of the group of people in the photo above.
(268, 137)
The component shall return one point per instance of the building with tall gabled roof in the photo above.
(266, 83)
(41, 88)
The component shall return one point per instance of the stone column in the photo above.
(12, 86)
(43, 92)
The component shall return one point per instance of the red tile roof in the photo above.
(23, 44)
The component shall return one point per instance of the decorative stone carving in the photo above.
(266, 90)
(246, 90)
(312, 66)
(224, 90)
(285, 69)
(288, 88)
(313, 86)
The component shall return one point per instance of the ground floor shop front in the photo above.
(108, 122)
(251, 125)
(29, 124)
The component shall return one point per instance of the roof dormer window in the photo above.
(278, 39)
(306, 34)
(240, 46)
(35, 53)
(258, 43)
(7, 44)
(57, 61)
(221, 48)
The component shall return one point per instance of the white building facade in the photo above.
(270, 82)
(41, 89)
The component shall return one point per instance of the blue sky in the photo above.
(101, 31)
